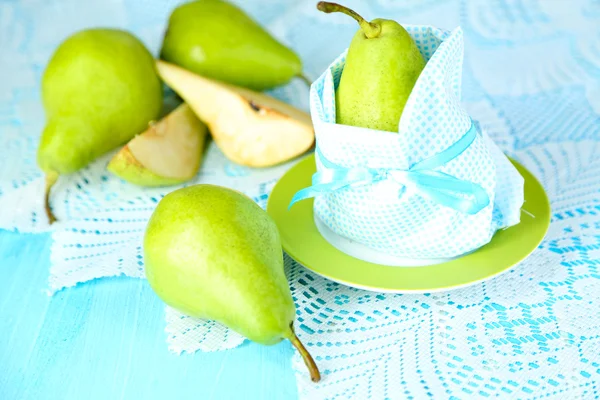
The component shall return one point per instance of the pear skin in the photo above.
(169, 152)
(251, 128)
(213, 253)
(127, 167)
(382, 66)
(217, 39)
(99, 89)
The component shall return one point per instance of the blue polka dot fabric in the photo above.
(398, 219)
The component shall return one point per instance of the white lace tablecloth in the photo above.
(531, 76)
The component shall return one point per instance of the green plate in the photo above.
(303, 242)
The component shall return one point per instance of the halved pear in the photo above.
(169, 152)
(251, 128)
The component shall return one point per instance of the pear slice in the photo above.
(250, 128)
(167, 153)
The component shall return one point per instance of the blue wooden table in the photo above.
(106, 340)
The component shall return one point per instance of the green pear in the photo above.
(168, 153)
(99, 89)
(218, 40)
(213, 253)
(382, 66)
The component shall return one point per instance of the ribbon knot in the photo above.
(445, 189)
(382, 174)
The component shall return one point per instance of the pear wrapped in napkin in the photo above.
(436, 189)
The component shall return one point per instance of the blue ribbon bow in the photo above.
(460, 195)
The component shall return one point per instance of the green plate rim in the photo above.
(531, 184)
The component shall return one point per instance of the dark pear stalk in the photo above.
(370, 29)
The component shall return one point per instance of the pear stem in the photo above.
(370, 29)
(305, 79)
(51, 178)
(315, 375)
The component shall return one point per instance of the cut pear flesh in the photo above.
(251, 128)
(168, 152)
